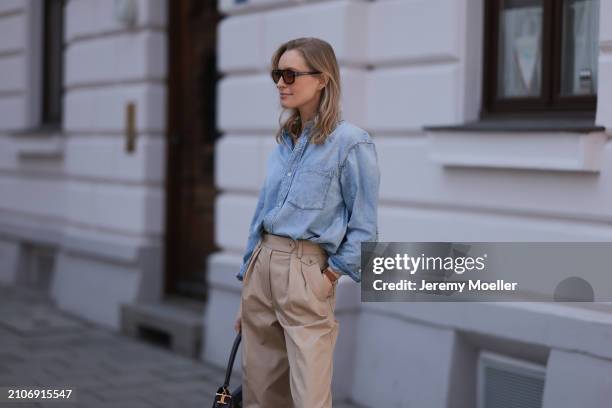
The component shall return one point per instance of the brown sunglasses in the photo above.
(289, 75)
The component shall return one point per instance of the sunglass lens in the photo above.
(276, 75)
(288, 76)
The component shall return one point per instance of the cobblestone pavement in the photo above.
(43, 347)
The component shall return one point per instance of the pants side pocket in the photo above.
(252, 259)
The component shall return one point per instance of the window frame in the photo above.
(51, 116)
(551, 102)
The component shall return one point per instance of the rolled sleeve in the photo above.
(360, 180)
(254, 233)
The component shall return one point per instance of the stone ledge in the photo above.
(561, 151)
(39, 143)
(180, 327)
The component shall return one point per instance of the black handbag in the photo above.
(224, 398)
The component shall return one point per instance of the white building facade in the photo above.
(78, 209)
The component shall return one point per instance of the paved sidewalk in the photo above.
(43, 347)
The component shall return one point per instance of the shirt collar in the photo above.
(307, 132)
(307, 128)
(308, 125)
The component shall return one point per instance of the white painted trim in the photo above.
(548, 324)
(519, 150)
(60, 233)
(51, 146)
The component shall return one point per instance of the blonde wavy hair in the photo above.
(319, 56)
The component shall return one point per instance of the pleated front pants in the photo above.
(289, 330)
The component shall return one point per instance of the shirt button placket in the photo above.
(285, 184)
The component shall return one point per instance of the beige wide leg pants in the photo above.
(289, 330)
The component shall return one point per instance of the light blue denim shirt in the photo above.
(325, 193)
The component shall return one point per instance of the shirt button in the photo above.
(289, 173)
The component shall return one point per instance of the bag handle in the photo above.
(230, 363)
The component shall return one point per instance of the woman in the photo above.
(318, 203)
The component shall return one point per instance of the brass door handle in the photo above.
(130, 127)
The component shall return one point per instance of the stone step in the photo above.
(174, 324)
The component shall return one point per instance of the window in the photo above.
(540, 56)
(52, 63)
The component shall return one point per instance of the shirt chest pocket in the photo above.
(309, 188)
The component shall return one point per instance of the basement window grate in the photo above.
(154, 336)
(505, 382)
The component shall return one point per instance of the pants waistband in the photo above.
(286, 244)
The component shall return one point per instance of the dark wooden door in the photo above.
(190, 191)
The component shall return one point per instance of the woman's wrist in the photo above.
(334, 273)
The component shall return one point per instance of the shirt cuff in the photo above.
(333, 263)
